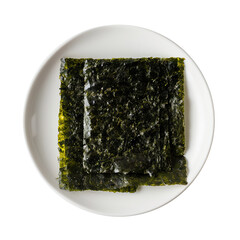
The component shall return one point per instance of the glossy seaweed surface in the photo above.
(121, 123)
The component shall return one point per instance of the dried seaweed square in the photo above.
(125, 116)
(70, 138)
(82, 82)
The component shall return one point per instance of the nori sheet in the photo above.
(126, 107)
(70, 138)
(175, 69)
(72, 175)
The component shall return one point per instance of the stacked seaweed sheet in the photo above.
(121, 123)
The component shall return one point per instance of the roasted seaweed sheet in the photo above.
(125, 108)
(90, 118)
(175, 78)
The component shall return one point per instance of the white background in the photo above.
(207, 30)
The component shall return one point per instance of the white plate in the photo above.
(41, 116)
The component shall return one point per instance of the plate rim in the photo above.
(25, 117)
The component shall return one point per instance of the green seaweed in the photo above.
(70, 138)
(124, 111)
(175, 69)
(75, 74)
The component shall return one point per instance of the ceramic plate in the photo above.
(41, 116)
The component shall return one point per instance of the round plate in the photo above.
(41, 116)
